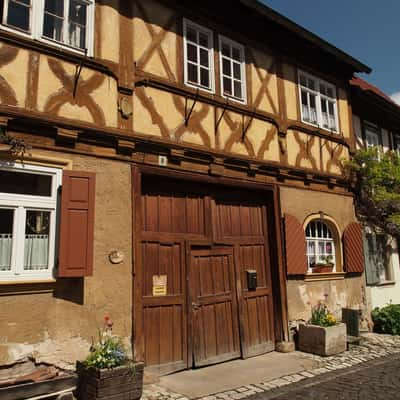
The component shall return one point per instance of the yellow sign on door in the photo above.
(159, 285)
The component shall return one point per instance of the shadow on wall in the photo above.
(70, 289)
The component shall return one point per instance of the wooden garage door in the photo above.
(171, 214)
(207, 314)
(243, 223)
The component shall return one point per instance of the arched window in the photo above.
(321, 254)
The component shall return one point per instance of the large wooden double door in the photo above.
(201, 240)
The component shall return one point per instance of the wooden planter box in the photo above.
(121, 383)
(322, 268)
(324, 341)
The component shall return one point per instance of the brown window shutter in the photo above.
(353, 248)
(295, 245)
(76, 225)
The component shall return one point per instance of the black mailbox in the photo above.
(251, 279)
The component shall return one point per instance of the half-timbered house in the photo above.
(184, 177)
(376, 121)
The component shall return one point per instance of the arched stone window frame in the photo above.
(336, 236)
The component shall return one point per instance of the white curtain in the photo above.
(5, 251)
(36, 252)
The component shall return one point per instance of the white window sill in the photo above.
(325, 276)
(332, 132)
(385, 283)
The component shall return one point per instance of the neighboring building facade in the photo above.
(376, 120)
(200, 174)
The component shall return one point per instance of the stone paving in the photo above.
(373, 347)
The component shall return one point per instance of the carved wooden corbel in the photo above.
(217, 168)
(125, 147)
(67, 136)
(125, 107)
(176, 155)
(253, 168)
(4, 122)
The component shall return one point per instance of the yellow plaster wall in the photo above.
(347, 292)
(344, 115)
(15, 74)
(291, 90)
(105, 96)
(109, 30)
(158, 18)
(263, 66)
(58, 327)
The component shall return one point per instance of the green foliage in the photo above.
(108, 352)
(320, 315)
(376, 179)
(387, 319)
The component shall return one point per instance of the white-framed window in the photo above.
(233, 69)
(320, 245)
(318, 102)
(66, 23)
(28, 205)
(371, 136)
(396, 142)
(198, 56)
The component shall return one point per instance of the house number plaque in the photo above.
(159, 285)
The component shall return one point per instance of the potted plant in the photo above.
(324, 264)
(322, 335)
(107, 372)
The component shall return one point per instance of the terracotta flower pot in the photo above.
(125, 382)
(322, 268)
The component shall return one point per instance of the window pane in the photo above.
(329, 92)
(19, 15)
(226, 51)
(303, 80)
(24, 183)
(203, 39)
(313, 109)
(329, 248)
(191, 35)
(192, 53)
(6, 238)
(227, 86)
(204, 77)
(226, 67)
(204, 58)
(311, 84)
(192, 73)
(52, 27)
(37, 228)
(236, 71)
(237, 87)
(236, 54)
(55, 7)
(77, 36)
(77, 12)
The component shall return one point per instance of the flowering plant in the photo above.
(108, 352)
(320, 315)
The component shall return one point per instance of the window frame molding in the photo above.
(319, 95)
(211, 50)
(22, 203)
(37, 23)
(231, 42)
(337, 242)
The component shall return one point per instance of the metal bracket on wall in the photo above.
(221, 116)
(188, 114)
(245, 129)
(78, 70)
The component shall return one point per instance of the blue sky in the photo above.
(369, 30)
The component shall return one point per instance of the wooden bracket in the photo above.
(176, 155)
(221, 116)
(4, 122)
(67, 136)
(253, 168)
(189, 114)
(126, 147)
(245, 129)
(217, 167)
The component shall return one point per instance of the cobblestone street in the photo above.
(368, 371)
(375, 380)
